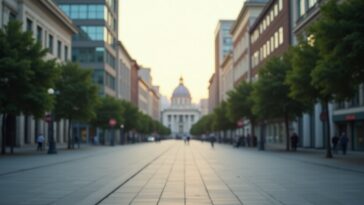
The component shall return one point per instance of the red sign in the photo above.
(48, 118)
(112, 122)
(240, 123)
(350, 117)
(323, 116)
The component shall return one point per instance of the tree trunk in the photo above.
(252, 121)
(326, 122)
(69, 134)
(3, 132)
(286, 124)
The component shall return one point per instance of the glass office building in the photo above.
(95, 44)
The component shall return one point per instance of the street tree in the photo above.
(305, 58)
(221, 121)
(240, 104)
(109, 109)
(339, 36)
(25, 76)
(76, 97)
(270, 94)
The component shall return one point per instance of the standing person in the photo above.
(335, 141)
(40, 141)
(188, 139)
(212, 140)
(248, 140)
(255, 141)
(294, 141)
(344, 142)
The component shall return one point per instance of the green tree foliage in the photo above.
(76, 96)
(25, 75)
(203, 125)
(221, 121)
(305, 58)
(339, 36)
(240, 104)
(130, 115)
(271, 94)
(108, 108)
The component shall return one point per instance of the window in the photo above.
(280, 35)
(181, 118)
(83, 11)
(95, 33)
(39, 34)
(59, 49)
(66, 53)
(169, 118)
(268, 47)
(88, 55)
(280, 4)
(272, 44)
(271, 15)
(29, 25)
(276, 40)
(50, 44)
(302, 7)
(98, 76)
(192, 118)
(275, 9)
(311, 3)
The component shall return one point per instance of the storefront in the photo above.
(353, 125)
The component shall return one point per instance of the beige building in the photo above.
(54, 30)
(241, 38)
(226, 77)
(148, 94)
(123, 82)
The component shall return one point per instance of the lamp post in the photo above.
(52, 145)
(122, 140)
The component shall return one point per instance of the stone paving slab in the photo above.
(174, 173)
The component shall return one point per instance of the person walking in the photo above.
(294, 141)
(212, 140)
(335, 141)
(344, 142)
(40, 142)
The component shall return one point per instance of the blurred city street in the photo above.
(172, 172)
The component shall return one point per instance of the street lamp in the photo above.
(52, 145)
(122, 134)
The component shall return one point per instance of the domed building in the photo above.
(182, 114)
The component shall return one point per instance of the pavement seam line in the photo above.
(131, 177)
(203, 180)
(223, 181)
(146, 183)
(169, 174)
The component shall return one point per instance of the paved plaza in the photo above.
(171, 173)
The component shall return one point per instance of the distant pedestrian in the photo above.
(239, 142)
(77, 142)
(344, 142)
(294, 141)
(188, 139)
(40, 142)
(335, 141)
(212, 140)
(248, 140)
(255, 141)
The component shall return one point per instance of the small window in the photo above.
(39, 34)
(50, 44)
(59, 49)
(66, 53)
(29, 25)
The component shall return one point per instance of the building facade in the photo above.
(125, 63)
(241, 39)
(204, 107)
(227, 77)
(182, 114)
(54, 31)
(212, 89)
(96, 45)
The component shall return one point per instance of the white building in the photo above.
(182, 114)
(54, 30)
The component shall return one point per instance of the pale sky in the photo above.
(174, 38)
